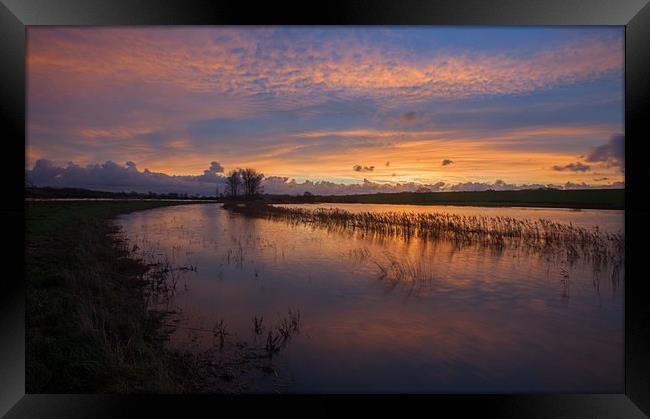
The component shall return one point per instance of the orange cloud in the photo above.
(161, 80)
(192, 59)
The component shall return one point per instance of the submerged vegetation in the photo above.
(100, 308)
(88, 327)
(396, 270)
(98, 312)
(492, 232)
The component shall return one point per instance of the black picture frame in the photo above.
(15, 15)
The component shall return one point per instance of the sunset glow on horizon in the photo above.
(454, 107)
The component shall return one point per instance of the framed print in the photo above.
(424, 202)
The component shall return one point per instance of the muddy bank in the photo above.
(88, 325)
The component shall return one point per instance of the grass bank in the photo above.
(88, 327)
(545, 198)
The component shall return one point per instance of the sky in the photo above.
(329, 110)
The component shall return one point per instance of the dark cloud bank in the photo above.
(359, 168)
(112, 177)
(612, 154)
(573, 167)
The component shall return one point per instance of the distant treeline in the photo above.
(79, 193)
(557, 198)
(584, 198)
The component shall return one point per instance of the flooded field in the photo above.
(346, 311)
(605, 220)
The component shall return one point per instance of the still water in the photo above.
(606, 220)
(465, 320)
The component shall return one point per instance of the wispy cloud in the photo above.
(312, 103)
(249, 62)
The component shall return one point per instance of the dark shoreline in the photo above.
(533, 198)
(613, 199)
(88, 327)
(470, 204)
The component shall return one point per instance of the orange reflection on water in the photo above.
(451, 320)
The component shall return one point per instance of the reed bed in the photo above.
(493, 232)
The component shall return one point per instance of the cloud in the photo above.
(212, 174)
(308, 64)
(407, 120)
(409, 117)
(498, 185)
(359, 168)
(276, 98)
(611, 154)
(600, 179)
(447, 162)
(111, 176)
(285, 185)
(215, 167)
(573, 167)
(583, 185)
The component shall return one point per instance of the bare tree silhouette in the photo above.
(252, 181)
(233, 183)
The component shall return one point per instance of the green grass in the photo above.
(88, 329)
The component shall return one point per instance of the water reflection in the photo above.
(605, 220)
(380, 314)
